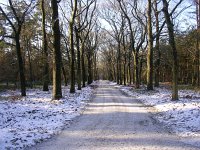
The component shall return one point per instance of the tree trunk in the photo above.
(83, 65)
(140, 70)
(150, 50)
(136, 71)
(77, 28)
(71, 30)
(45, 50)
(157, 48)
(64, 74)
(96, 69)
(125, 72)
(21, 65)
(119, 63)
(72, 69)
(78, 59)
(90, 77)
(30, 63)
(114, 73)
(118, 70)
(57, 91)
(124, 50)
(129, 67)
(172, 43)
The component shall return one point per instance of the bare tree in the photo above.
(116, 20)
(136, 42)
(92, 43)
(172, 43)
(45, 50)
(157, 47)
(84, 18)
(71, 34)
(150, 49)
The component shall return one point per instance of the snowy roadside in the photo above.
(26, 121)
(181, 117)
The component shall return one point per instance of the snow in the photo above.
(26, 121)
(181, 117)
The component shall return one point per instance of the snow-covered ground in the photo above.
(26, 121)
(181, 117)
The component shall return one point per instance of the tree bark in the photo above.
(72, 69)
(119, 63)
(157, 48)
(30, 63)
(129, 67)
(90, 76)
(78, 59)
(150, 50)
(77, 28)
(118, 78)
(64, 74)
(136, 71)
(71, 30)
(45, 50)
(57, 91)
(125, 72)
(21, 65)
(140, 70)
(124, 49)
(83, 64)
(95, 67)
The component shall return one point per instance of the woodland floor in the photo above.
(115, 121)
(25, 121)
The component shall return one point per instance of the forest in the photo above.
(140, 45)
(70, 48)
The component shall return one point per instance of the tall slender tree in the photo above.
(135, 45)
(45, 49)
(172, 43)
(72, 50)
(77, 28)
(150, 49)
(82, 22)
(57, 91)
(157, 47)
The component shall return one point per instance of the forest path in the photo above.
(113, 121)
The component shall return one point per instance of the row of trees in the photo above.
(56, 44)
(57, 41)
(144, 43)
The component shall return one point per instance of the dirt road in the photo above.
(113, 121)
